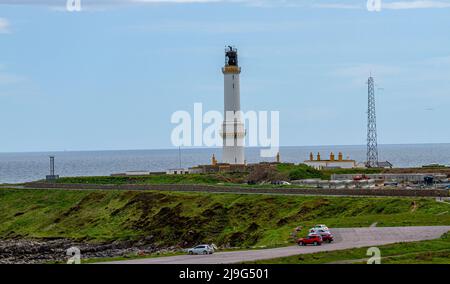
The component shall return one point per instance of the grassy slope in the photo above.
(434, 251)
(175, 218)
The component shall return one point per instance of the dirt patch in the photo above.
(90, 198)
(282, 222)
(413, 206)
(144, 202)
(308, 207)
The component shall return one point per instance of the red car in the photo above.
(312, 239)
(327, 237)
(325, 234)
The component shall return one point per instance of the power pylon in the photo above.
(372, 144)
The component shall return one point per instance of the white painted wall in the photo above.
(325, 164)
(233, 149)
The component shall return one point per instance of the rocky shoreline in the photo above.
(21, 251)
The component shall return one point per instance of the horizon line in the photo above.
(218, 148)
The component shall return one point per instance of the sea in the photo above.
(24, 167)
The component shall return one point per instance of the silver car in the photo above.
(318, 231)
(323, 227)
(201, 249)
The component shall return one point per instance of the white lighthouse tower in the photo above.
(233, 131)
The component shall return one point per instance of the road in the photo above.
(344, 239)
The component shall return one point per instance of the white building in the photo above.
(233, 132)
(340, 162)
(177, 172)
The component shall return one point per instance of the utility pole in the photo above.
(179, 156)
(372, 144)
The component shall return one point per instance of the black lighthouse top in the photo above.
(231, 56)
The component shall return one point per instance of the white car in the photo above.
(201, 249)
(323, 227)
(281, 182)
(316, 231)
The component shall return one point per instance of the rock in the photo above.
(42, 251)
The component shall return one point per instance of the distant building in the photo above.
(137, 173)
(331, 163)
(385, 165)
(177, 171)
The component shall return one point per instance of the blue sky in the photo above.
(111, 76)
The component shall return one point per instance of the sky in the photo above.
(110, 77)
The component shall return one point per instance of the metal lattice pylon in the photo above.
(372, 144)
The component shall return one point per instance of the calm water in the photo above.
(21, 167)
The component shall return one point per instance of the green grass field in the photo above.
(424, 252)
(228, 220)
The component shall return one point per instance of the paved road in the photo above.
(345, 239)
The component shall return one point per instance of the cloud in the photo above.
(406, 5)
(219, 27)
(8, 79)
(176, 1)
(319, 4)
(337, 6)
(358, 73)
(365, 69)
(4, 26)
(9, 82)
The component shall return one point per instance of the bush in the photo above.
(260, 174)
(298, 174)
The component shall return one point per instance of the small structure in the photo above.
(177, 171)
(137, 173)
(224, 167)
(385, 165)
(52, 176)
(340, 162)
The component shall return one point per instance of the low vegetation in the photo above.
(285, 172)
(296, 172)
(158, 179)
(185, 219)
